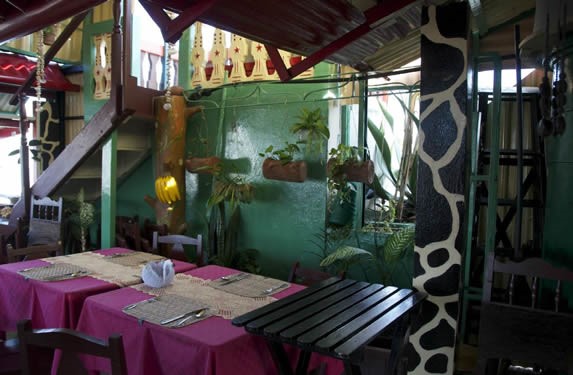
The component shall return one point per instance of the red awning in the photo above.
(14, 70)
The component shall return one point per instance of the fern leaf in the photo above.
(396, 245)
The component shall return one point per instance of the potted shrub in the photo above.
(346, 164)
(279, 164)
(312, 129)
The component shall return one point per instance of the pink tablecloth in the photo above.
(55, 304)
(209, 347)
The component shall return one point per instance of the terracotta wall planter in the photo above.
(208, 165)
(295, 171)
(358, 172)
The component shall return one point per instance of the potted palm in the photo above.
(313, 130)
(279, 164)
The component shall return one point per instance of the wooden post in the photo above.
(169, 149)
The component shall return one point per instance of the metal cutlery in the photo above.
(273, 288)
(181, 316)
(134, 305)
(232, 280)
(198, 315)
(66, 275)
(231, 277)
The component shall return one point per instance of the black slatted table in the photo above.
(336, 317)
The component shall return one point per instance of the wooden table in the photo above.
(337, 318)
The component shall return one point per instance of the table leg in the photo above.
(280, 357)
(302, 364)
(351, 369)
(399, 341)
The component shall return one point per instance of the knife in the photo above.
(181, 316)
(244, 276)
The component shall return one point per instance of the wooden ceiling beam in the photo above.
(40, 14)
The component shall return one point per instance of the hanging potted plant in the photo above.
(279, 164)
(203, 164)
(207, 165)
(49, 35)
(346, 164)
(312, 129)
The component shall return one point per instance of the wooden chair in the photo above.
(37, 348)
(39, 235)
(178, 240)
(7, 237)
(530, 335)
(307, 276)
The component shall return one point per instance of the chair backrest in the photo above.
(37, 346)
(178, 240)
(307, 276)
(528, 332)
(44, 222)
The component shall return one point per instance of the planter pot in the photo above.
(209, 165)
(358, 172)
(49, 38)
(295, 171)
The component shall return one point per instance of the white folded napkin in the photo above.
(158, 274)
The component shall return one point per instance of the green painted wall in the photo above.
(130, 193)
(284, 217)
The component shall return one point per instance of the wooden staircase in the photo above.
(79, 165)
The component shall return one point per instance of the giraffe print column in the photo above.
(440, 194)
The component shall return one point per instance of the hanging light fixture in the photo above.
(40, 72)
(167, 190)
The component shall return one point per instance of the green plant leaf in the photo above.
(14, 152)
(346, 255)
(396, 245)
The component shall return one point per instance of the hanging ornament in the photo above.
(40, 70)
(167, 105)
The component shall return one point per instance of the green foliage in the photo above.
(338, 185)
(234, 190)
(385, 258)
(285, 155)
(313, 127)
(402, 199)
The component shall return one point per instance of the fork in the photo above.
(273, 288)
(134, 305)
(198, 315)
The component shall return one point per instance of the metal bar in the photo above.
(519, 190)
(373, 16)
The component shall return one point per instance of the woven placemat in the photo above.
(55, 272)
(221, 303)
(159, 309)
(248, 285)
(102, 269)
(132, 259)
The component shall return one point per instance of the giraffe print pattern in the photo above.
(440, 195)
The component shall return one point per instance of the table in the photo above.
(210, 347)
(55, 304)
(337, 318)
